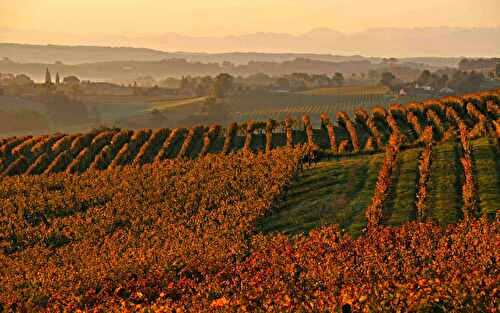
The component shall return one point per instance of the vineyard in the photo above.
(274, 216)
(338, 191)
(340, 134)
(278, 106)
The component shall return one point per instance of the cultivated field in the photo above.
(349, 90)
(264, 105)
(168, 104)
(337, 191)
(259, 217)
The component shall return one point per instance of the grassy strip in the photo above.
(401, 206)
(444, 201)
(362, 200)
(322, 195)
(487, 181)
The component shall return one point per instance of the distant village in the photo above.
(69, 100)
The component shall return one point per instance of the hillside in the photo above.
(30, 53)
(183, 235)
(362, 133)
(127, 70)
(193, 220)
(337, 191)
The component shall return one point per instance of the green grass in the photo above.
(401, 204)
(444, 186)
(335, 191)
(487, 174)
(363, 198)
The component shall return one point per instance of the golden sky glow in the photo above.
(234, 17)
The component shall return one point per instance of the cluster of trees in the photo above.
(481, 64)
(303, 81)
(59, 98)
(466, 81)
(25, 80)
(218, 87)
(224, 84)
(17, 80)
(457, 81)
(178, 67)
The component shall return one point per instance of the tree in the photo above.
(223, 84)
(338, 79)
(71, 80)
(497, 69)
(58, 80)
(424, 78)
(389, 60)
(23, 80)
(464, 64)
(282, 83)
(48, 78)
(466, 82)
(204, 85)
(387, 79)
(443, 80)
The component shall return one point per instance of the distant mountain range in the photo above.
(392, 42)
(435, 45)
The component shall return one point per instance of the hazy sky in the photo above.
(233, 17)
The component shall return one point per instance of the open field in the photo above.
(168, 104)
(348, 90)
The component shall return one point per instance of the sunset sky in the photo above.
(89, 18)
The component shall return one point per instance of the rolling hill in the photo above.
(391, 210)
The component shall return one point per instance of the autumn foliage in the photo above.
(344, 120)
(180, 236)
(469, 193)
(424, 166)
(374, 212)
(146, 226)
